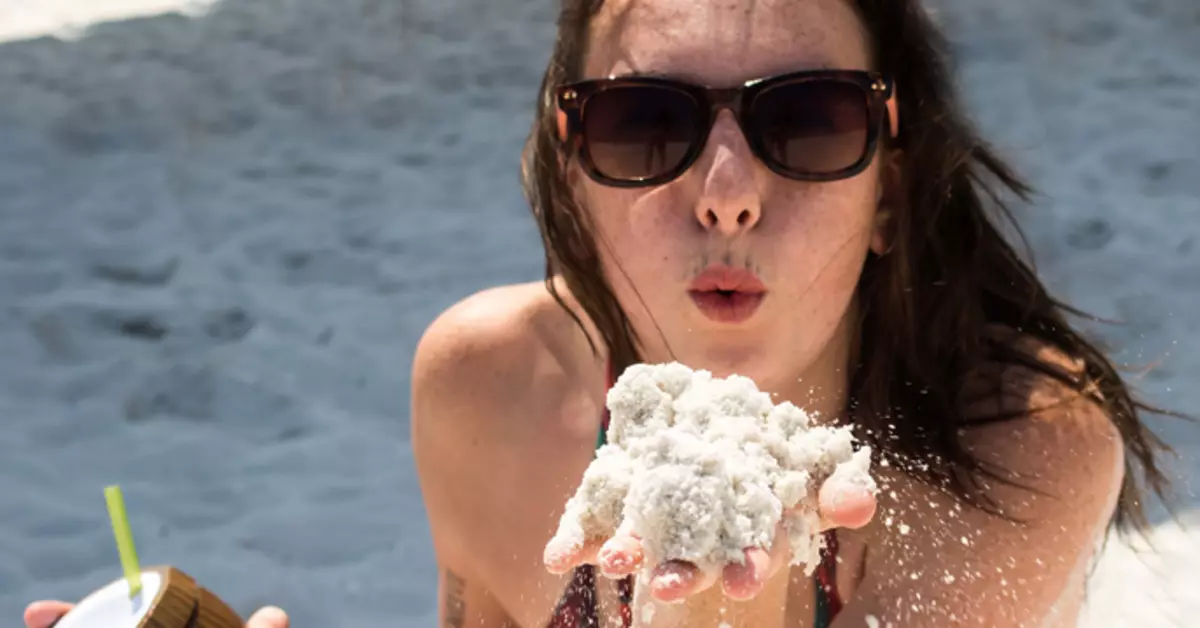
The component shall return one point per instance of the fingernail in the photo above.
(555, 558)
(667, 581)
(614, 559)
(557, 550)
(272, 615)
(747, 574)
(750, 572)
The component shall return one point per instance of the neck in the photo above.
(820, 385)
(822, 388)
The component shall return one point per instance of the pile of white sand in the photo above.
(701, 468)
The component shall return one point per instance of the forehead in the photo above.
(724, 42)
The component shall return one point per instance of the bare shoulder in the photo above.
(494, 323)
(496, 346)
(1058, 464)
(1056, 439)
(506, 400)
(507, 367)
(471, 334)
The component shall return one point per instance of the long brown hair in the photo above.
(926, 307)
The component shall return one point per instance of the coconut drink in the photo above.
(153, 597)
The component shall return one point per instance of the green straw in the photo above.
(120, 525)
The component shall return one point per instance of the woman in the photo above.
(818, 222)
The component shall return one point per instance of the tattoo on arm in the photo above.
(455, 613)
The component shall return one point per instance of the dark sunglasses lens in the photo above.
(639, 132)
(812, 127)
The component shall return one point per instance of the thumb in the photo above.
(44, 614)
(268, 617)
(846, 506)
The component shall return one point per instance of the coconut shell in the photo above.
(175, 605)
(211, 612)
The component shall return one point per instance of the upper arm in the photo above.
(938, 562)
(472, 372)
(449, 437)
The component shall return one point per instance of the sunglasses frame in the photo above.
(572, 99)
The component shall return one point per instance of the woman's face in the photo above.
(806, 242)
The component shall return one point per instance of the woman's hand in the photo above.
(840, 506)
(45, 613)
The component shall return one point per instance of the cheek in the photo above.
(648, 213)
(813, 216)
(641, 230)
(818, 239)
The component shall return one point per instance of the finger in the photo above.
(268, 617)
(742, 582)
(845, 506)
(562, 556)
(781, 551)
(675, 580)
(620, 556)
(43, 614)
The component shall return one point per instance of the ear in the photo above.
(571, 177)
(889, 197)
(562, 124)
(881, 243)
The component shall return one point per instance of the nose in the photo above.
(730, 202)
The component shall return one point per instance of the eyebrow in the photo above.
(676, 76)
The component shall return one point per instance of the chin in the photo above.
(772, 352)
(760, 361)
(776, 362)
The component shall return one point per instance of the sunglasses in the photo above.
(816, 125)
